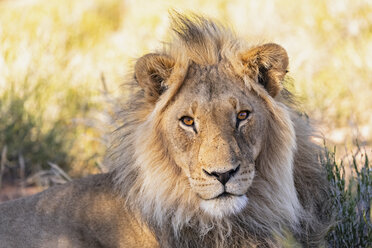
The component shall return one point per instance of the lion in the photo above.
(210, 152)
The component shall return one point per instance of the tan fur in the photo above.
(162, 190)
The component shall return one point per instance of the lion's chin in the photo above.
(224, 206)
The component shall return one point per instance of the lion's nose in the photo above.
(223, 177)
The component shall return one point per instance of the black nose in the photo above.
(223, 177)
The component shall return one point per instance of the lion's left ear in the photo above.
(151, 73)
(267, 65)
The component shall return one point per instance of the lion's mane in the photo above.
(289, 190)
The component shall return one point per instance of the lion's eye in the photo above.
(242, 115)
(188, 121)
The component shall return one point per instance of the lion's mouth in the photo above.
(224, 195)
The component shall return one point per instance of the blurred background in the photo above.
(60, 60)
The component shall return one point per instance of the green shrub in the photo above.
(25, 136)
(351, 197)
(50, 66)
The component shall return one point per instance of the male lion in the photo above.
(211, 153)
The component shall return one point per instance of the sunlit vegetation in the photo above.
(351, 200)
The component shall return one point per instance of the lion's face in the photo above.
(211, 122)
(214, 132)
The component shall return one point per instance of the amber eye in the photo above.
(242, 115)
(188, 121)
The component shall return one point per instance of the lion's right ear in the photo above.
(152, 72)
(267, 65)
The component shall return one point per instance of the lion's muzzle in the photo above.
(222, 177)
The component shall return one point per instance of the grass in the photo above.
(351, 198)
(49, 82)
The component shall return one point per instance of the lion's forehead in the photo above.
(213, 97)
(210, 82)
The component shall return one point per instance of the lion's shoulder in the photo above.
(82, 213)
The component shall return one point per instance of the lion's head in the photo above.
(214, 130)
(207, 140)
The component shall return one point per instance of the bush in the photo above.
(351, 198)
(50, 67)
(26, 138)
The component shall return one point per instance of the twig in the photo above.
(60, 171)
(22, 166)
(103, 80)
(101, 167)
(2, 163)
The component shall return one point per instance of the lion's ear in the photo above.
(267, 65)
(152, 72)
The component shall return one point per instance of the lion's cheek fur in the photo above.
(276, 170)
(181, 145)
(249, 140)
(159, 176)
